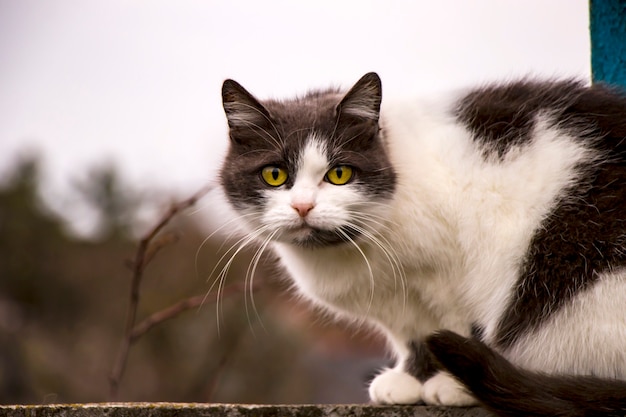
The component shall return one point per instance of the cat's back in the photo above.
(526, 180)
(526, 137)
(501, 116)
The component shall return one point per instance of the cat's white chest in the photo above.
(333, 277)
(363, 287)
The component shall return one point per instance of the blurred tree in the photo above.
(29, 239)
(27, 283)
(115, 205)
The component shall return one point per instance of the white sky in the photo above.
(138, 82)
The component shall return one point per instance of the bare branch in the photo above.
(165, 314)
(159, 242)
(184, 305)
(144, 254)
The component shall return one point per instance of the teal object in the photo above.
(607, 20)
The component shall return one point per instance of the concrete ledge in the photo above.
(232, 410)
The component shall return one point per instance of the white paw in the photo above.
(443, 389)
(395, 387)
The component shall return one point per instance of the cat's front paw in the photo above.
(395, 387)
(443, 389)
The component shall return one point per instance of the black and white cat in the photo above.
(496, 213)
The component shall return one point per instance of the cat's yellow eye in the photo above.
(274, 176)
(339, 175)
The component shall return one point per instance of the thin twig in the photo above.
(145, 252)
(165, 314)
(187, 304)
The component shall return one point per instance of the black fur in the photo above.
(584, 236)
(275, 132)
(513, 392)
(503, 116)
(421, 363)
(477, 331)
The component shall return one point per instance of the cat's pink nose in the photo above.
(302, 208)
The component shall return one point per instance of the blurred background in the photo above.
(110, 111)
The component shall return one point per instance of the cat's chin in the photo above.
(310, 237)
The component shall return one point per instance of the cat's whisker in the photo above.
(251, 238)
(378, 221)
(390, 254)
(396, 266)
(218, 263)
(367, 263)
(237, 219)
(220, 280)
(375, 222)
(250, 273)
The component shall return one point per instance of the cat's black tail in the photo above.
(510, 391)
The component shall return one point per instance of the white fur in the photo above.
(443, 389)
(453, 235)
(586, 337)
(394, 386)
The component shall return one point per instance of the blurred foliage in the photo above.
(115, 205)
(63, 303)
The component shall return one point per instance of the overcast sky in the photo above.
(138, 82)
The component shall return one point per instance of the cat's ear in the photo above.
(241, 108)
(362, 102)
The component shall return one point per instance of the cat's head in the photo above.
(311, 171)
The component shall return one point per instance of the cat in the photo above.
(489, 221)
